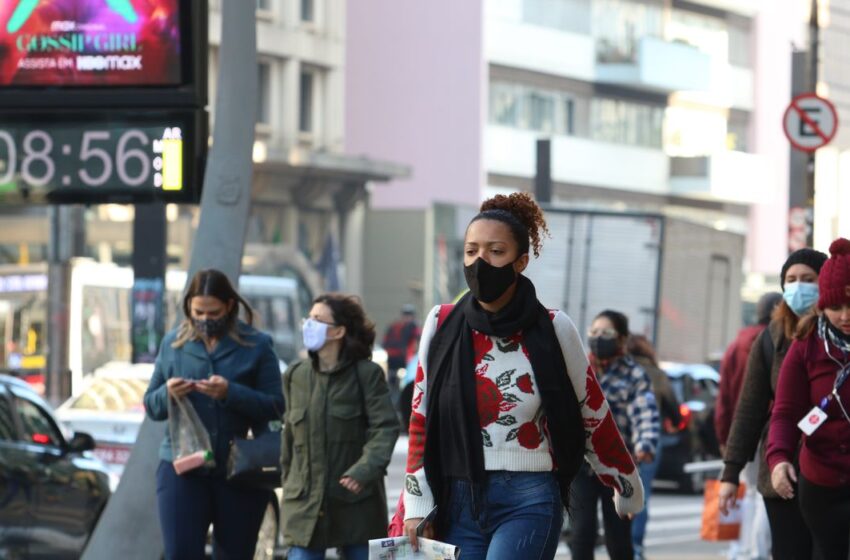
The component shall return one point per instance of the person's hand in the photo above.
(783, 478)
(410, 526)
(215, 387)
(728, 497)
(643, 457)
(178, 387)
(350, 484)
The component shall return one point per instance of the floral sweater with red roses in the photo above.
(512, 418)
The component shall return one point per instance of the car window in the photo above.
(36, 425)
(7, 422)
(113, 395)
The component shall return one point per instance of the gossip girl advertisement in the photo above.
(90, 43)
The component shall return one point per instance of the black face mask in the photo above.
(604, 348)
(211, 328)
(487, 282)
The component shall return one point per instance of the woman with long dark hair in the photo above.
(790, 538)
(505, 406)
(229, 373)
(339, 435)
(813, 397)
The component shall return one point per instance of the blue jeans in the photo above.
(519, 516)
(647, 475)
(350, 552)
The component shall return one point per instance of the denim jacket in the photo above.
(254, 393)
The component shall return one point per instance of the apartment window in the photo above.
(306, 95)
(308, 10)
(707, 33)
(618, 26)
(529, 108)
(626, 122)
(738, 131)
(264, 93)
(264, 5)
(740, 43)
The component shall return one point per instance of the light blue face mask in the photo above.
(800, 296)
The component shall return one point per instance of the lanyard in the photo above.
(840, 378)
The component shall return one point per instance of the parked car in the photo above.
(694, 439)
(111, 408)
(52, 490)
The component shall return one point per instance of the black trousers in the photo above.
(826, 510)
(188, 503)
(789, 535)
(587, 492)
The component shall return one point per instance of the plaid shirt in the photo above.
(629, 394)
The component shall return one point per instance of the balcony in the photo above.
(539, 49)
(658, 66)
(736, 177)
(579, 161)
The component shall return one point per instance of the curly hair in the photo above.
(519, 211)
(347, 311)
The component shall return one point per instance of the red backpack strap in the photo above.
(445, 309)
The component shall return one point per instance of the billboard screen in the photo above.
(90, 43)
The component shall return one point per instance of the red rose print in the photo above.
(594, 396)
(525, 384)
(481, 345)
(416, 444)
(420, 374)
(591, 422)
(529, 435)
(609, 446)
(489, 400)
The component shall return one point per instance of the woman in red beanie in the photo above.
(813, 397)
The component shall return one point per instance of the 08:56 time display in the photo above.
(128, 158)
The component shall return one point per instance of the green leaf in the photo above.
(507, 346)
(510, 397)
(504, 379)
(506, 420)
(512, 435)
(486, 437)
(412, 485)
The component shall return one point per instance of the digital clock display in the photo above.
(101, 157)
(91, 43)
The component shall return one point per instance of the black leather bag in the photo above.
(255, 462)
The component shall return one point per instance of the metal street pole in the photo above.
(129, 526)
(814, 51)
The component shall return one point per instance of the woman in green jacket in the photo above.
(339, 436)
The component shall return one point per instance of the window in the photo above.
(572, 16)
(308, 12)
(306, 92)
(36, 425)
(618, 26)
(625, 122)
(7, 423)
(265, 5)
(528, 108)
(264, 93)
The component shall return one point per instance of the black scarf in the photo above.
(453, 440)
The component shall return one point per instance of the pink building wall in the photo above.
(415, 81)
(776, 28)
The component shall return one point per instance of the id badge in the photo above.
(812, 420)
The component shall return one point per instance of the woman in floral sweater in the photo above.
(501, 419)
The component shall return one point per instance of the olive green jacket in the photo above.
(337, 423)
(751, 420)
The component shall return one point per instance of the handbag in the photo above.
(715, 525)
(255, 462)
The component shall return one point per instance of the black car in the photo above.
(51, 491)
(694, 440)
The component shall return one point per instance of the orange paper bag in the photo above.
(715, 525)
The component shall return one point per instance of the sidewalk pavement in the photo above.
(678, 555)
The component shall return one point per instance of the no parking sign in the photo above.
(810, 122)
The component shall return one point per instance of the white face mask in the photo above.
(314, 333)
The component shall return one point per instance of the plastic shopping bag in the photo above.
(190, 442)
(715, 525)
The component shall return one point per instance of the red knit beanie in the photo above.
(834, 278)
